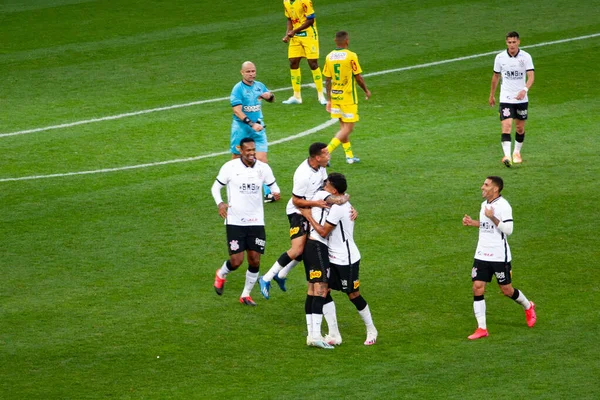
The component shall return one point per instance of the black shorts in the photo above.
(484, 270)
(514, 111)
(316, 261)
(242, 238)
(298, 225)
(344, 277)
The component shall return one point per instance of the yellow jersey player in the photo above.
(303, 38)
(342, 72)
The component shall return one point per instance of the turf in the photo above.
(107, 276)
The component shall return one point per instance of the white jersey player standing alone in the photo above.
(515, 66)
(493, 256)
(243, 214)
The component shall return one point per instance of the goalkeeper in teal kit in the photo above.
(246, 101)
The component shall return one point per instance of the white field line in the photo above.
(179, 160)
(200, 102)
(175, 106)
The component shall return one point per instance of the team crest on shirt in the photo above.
(234, 245)
(474, 273)
(506, 112)
(522, 63)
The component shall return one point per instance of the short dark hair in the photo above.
(315, 149)
(338, 181)
(512, 34)
(497, 181)
(341, 35)
(246, 140)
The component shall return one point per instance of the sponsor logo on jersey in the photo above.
(513, 75)
(356, 284)
(249, 188)
(315, 274)
(522, 112)
(260, 242)
(500, 276)
(338, 55)
(255, 108)
(294, 230)
(234, 245)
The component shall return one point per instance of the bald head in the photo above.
(248, 72)
(248, 64)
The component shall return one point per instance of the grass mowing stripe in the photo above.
(195, 103)
(158, 163)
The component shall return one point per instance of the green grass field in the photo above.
(107, 275)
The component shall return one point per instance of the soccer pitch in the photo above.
(115, 121)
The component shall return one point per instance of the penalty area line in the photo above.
(175, 161)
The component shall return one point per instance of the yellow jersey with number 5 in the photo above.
(341, 65)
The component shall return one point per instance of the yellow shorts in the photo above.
(345, 112)
(307, 47)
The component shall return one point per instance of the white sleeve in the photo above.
(506, 227)
(335, 214)
(220, 182)
(506, 219)
(529, 63)
(497, 65)
(300, 185)
(216, 191)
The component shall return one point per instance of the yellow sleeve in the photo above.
(308, 7)
(356, 69)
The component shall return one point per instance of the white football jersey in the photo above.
(244, 191)
(319, 214)
(514, 73)
(493, 244)
(307, 182)
(342, 248)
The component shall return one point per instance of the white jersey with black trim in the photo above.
(307, 182)
(244, 191)
(319, 214)
(342, 248)
(514, 73)
(493, 244)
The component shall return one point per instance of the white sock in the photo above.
(479, 309)
(329, 313)
(309, 324)
(272, 272)
(251, 278)
(286, 270)
(224, 271)
(518, 146)
(317, 320)
(365, 314)
(522, 300)
(506, 148)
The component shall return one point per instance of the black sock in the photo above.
(284, 259)
(359, 302)
(317, 305)
(308, 304)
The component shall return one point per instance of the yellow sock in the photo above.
(348, 150)
(296, 80)
(335, 142)
(318, 78)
